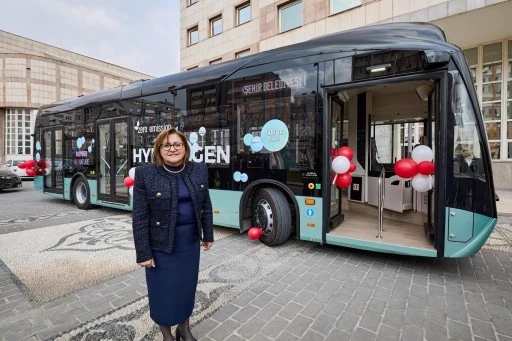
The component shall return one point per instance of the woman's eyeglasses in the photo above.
(168, 146)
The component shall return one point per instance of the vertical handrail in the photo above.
(381, 194)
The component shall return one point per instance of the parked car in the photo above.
(9, 180)
(12, 165)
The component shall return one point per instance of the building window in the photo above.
(343, 5)
(472, 59)
(290, 16)
(18, 126)
(215, 61)
(215, 26)
(509, 102)
(193, 36)
(492, 79)
(191, 2)
(494, 88)
(243, 53)
(243, 13)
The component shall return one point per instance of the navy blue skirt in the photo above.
(172, 282)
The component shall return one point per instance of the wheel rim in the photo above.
(263, 216)
(81, 193)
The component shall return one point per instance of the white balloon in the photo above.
(340, 164)
(130, 190)
(422, 153)
(131, 173)
(421, 183)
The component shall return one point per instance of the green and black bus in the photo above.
(270, 124)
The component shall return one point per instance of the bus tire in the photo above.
(271, 212)
(81, 194)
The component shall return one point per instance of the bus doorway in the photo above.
(339, 137)
(113, 160)
(54, 172)
(383, 123)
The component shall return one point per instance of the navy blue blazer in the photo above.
(155, 207)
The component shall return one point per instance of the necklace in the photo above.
(174, 172)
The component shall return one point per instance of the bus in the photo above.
(270, 125)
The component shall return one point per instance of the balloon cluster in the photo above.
(254, 233)
(420, 168)
(29, 167)
(129, 181)
(343, 166)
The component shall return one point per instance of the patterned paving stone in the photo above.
(298, 291)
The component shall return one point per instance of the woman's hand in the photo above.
(147, 264)
(206, 245)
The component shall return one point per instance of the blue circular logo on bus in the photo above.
(274, 135)
(256, 144)
(247, 139)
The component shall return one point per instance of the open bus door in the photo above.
(469, 194)
(54, 169)
(113, 160)
(381, 122)
(338, 139)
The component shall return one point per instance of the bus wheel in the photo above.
(271, 212)
(81, 195)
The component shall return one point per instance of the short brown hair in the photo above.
(159, 141)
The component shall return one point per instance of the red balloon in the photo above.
(406, 168)
(22, 165)
(426, 168)
(344, 180)
(40, 171)
(31, 171)
(129, 181)
(41, 163)
(254, 233)
(333, 152)
(346, 152)
(30, 163)
(352, 167)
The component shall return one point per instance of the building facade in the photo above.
(215, 31)
(33, 74)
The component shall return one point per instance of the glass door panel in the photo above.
(336, 142)
(113, 157)
(48, 158)
(58, 164)
(120, 159)
(54, 174)
(104, 159)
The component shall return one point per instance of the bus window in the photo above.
(267, 102)
(151, 115)
(392, 141)
(467, 152)
(467, 149)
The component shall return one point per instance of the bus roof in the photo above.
(392, 36)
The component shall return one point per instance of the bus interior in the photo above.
(382, 124)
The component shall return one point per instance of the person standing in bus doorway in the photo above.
(172, 219)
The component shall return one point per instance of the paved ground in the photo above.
(505, 203)
(300, 291)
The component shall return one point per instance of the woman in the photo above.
(172, 213)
